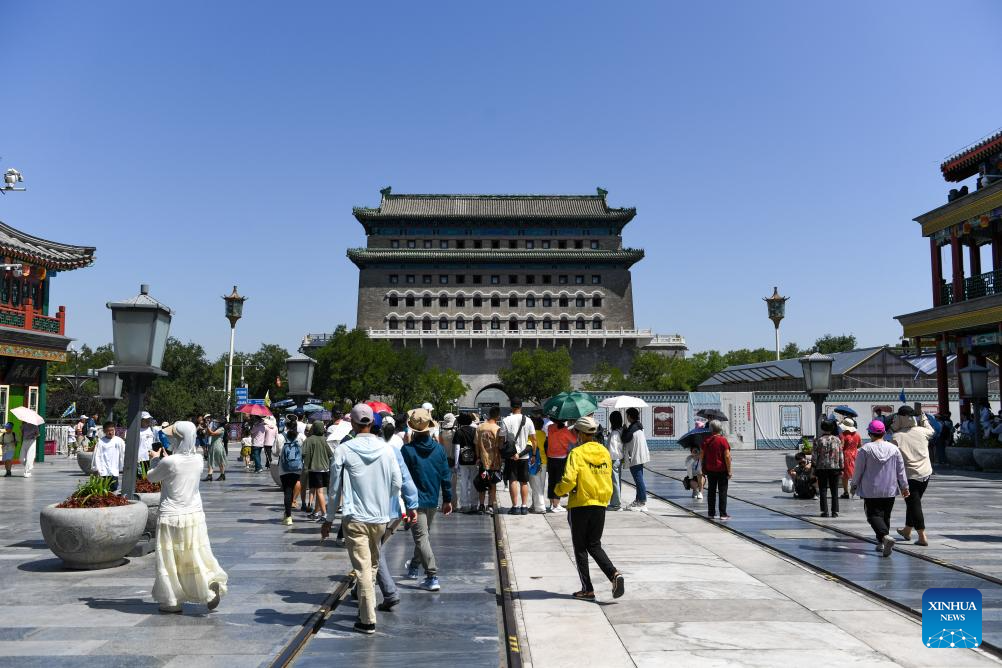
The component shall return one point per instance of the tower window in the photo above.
(579, 302)
(410, 323)
(594, 245)
(426, 279)
(513, 279)
(530, 302)
(596, 279)
(460, 323)
(426, 301)
(579, 323)
(547, 301)
(410, 279)
(529, 244)
(561, 244)
(477, 279)
(394, 324)
(409, 300)
(443, 279)
(426, 324)
(411, 243)
(545, 243)
(547, 279)
(513, 301)
(443, 323)
(460, 243)
(395, 243)
(460, 301)
(564, 302)
(393, 300)
(443, 244)
(427, 243)
(496, 302)
(478, 301)
(394, 279)
(579, 280)
(495, 279)
(596, 302)
(513, 244)
(596, 323)
(443, 301)
(513, 325)
(562, 280)
(496, 244)
(579, 244)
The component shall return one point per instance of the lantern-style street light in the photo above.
(777, 311)
(139, 332)
(817, 370)
(300, 371)
(234, 311)
(974, 385)
(109, 389)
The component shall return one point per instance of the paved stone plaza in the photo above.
(697, 594)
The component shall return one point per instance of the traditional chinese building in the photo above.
(966, 314)
(31, 333)
(469, 279)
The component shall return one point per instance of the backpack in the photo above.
(292, 457)
(467, 446)
(509, 443)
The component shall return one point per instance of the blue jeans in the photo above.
(256, 458)
(617, 475)
(638, 478)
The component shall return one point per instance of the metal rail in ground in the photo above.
(987, 647)
(513, 650)
(313, 624)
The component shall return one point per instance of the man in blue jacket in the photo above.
(428, 467)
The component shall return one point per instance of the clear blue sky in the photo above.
(201, 145)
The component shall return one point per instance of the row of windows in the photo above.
(528, 244)
(513, 324)
(477, 301)
(14, 291)
(495, 279)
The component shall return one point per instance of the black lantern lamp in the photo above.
(109, 389)
(974, 386)
(139, 330)
(234, 311)
(300, 371)
(817, 370)
(777, 311)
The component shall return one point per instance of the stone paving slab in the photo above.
(726, 602)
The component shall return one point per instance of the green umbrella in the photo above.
(570, 406)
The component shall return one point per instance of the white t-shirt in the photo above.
(511, 424)
(396, 441)
(109, 456)
(178, 476)
(146, 438)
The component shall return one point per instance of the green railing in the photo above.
(42, 323)
(11, 318)
(982, 285)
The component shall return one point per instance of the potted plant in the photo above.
(149, 493)
(989, 456)
(85, 456)
(93, 528)
(961, 454)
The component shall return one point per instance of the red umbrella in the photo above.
(254, 409)
(379, 407)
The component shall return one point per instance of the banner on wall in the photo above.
(790, 422)
(740, 425)
(664, 421)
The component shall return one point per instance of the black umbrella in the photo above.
(845, 410)
(712, 414)
(693, 438)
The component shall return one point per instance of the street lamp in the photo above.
(234, 311)
(109, 389)
(974, 385)
(300, 371)
(777, 311)
(139, 333)
(817, 380)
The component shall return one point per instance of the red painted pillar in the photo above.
(974, 252)
(937, 273)
(957, 255)
(942, 375)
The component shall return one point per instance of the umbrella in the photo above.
(570, 406)
(712, 414)
(312, 408)
(379, 407)
(623, 401)
(25, 414)
(693, 437)
(254, 409)
(845, 410)
(338, 431)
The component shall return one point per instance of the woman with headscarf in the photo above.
(187, 571)
(850, 447)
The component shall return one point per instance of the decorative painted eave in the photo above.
(366, 256)
(52, 255)
(964, 163)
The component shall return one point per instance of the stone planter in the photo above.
(961, 458)
(93, 538)
(152, 501)
(273, 469)
(84, 460)
(988, 459)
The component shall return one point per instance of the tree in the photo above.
(537, 374)
(829, 344)
(443, 388)
(405, 379)
(351, 367)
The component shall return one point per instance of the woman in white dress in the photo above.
(186, 567)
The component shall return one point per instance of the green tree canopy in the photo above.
(537, 374)
(351, 367)
(443, 388)
(830, 343)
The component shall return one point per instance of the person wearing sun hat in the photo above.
(429, 469)
(8, 442)
(850, 447)
(587, 480)
(879, 476)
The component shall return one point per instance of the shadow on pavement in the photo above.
(132, 606)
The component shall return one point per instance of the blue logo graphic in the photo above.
(951, 618)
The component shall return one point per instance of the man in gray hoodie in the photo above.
(366, 471)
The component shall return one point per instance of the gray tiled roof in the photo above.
(495, 207)
(50, 254)
(785, 369)
(363, 256)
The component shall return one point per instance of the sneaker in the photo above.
(844, 496)
(214, 601)
(879, 547)
(207, 478)
(321, 519)
(388, 604)
(550, 509)
(694, 494)
(222, 476)
(413, 569)
(640, 508)
(559, 509)
(699, 496)
(825, 514)
(513, 511)
(887, 547)
(524, 511)
(311, 516)
(430, 583)
(367, 629)
(618, 586)
(724, 518)
(481, 510)
(287, 521)
(834, 514)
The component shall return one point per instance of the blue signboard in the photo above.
(240, 393)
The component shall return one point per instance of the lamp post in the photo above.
(777, 311)
(234, 311)
(109, 389)
(300, 371)
(139, 326)
(974, 385)
(817, 381)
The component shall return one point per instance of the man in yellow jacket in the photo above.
(588, 482)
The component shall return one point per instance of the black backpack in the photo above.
(465, 440)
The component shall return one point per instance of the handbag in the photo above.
(509, 445)
(687, 482)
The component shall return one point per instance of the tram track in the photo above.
(988, 647)
(511, 657)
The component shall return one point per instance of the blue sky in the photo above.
(201, 145)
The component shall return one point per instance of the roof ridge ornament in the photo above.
(602, 192)
(385, 192)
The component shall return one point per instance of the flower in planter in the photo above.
(96, 492)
